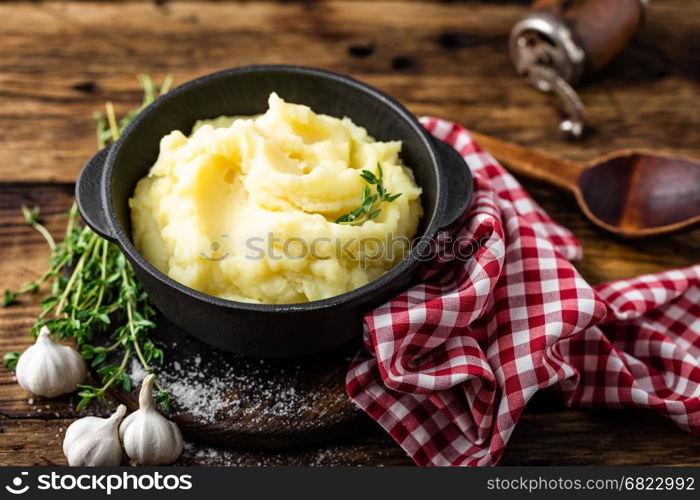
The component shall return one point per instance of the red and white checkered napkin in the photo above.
(452, 362)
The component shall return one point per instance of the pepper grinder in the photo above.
(562, 41)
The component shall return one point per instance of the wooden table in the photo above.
(60, 61)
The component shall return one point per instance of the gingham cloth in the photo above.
(451, 363)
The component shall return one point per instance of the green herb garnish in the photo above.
(366, 210)
(99, 304)
(10, 360)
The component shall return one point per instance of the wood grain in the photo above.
(29, 442)
(228, 400)
(609, 437)
(548, 433)
(565, 437)
(633, 193)
(61, 60)
(453, 64)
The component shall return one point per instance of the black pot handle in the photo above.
(458, 178)
(89, 195)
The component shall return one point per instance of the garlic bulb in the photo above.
(94, 441)
(50, 369)
(148, 437)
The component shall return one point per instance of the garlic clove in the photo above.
(49, 369)
(94, 441)
(148, 437)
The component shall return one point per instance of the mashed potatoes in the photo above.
(245, 207)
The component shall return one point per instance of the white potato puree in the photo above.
(245, 207)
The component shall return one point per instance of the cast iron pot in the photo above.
(107, 181)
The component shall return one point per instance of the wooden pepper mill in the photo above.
(561, 41)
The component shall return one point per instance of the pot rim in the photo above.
(352, 297)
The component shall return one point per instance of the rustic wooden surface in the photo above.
(229, 400)
(60, 61)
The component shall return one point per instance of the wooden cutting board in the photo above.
(228, 400)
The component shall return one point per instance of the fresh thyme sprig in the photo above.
(99, 304)
(366, 210)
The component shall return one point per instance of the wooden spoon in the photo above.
(633, 192)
